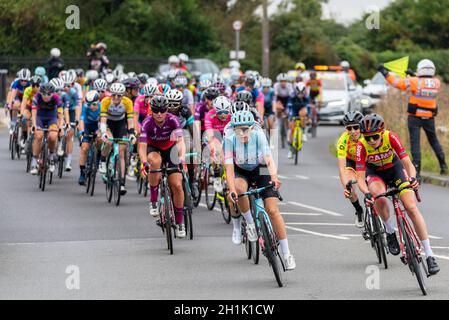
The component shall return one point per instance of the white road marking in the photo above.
(284, 177)
(321, 224)
(316, 209)
(302, 177)
(336, 177)
(434, 237)
(440, 247)
(351, 235)
(300, 214)
(205, 206)
(318, 233)
(441, 257)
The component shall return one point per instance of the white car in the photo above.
(339, 95)
(375, 88)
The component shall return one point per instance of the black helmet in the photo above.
(35, 80)
(245, 96)
(79, 72)
(159, 102)
(143, 77)
(352, 117)
(211, 93)
(250, 80)
(372, 123)
(47, 89)
(131, 83)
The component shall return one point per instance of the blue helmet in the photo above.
(242, 118)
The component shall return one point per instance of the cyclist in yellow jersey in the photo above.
(346, 151)
(25, 107)
(116, 121)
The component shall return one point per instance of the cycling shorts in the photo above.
(395, 177)
(46, 121)
(254, 176)
(89, 129)
(119, 129)
(350, 164)
(169, 157)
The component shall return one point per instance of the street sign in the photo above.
(237, 25)
(241, 55)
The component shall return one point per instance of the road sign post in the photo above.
(237, 26)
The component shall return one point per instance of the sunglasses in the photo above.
(223, 113)
(242, 131)
(353, 128)
(35, 85)
(159, 110)
(47, 95)
(373, 137)
(117, 95)
(93, 104)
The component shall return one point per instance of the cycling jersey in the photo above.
(141, 108)
(258, 96)
(269, 98)
(201, 110)
(89, 116)
(161, 137)
(20, 89)
(346, 147)
(247, 156)
(315, 87)
(382, 158)
(187, 99)
(212, 122)
(70, 99)
(283, 92)
(295, 104)
(117, 112)
(28, 94)
(47, 112)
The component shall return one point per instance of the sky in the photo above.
(346, 11)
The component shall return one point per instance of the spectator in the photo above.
(55, 64)
(422, 108)
(97, 58)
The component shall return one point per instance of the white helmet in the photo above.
(300, 87)
(152, 81)
(57, 83)
(180, 81)
(240, 106)
(150, 89)
(266, 82)
(174, 95)
(426, 68)
(92, 96)
(345, 64)
(204, 84)
(123, 77)
(92, 75)
(132, 74)
(24, 74)
(118, 88)
(110, 77)
(234, 64)
(282, 77)
(183, 57)
(68, 78)
(221, 104)
(100, 85)
(173, 60)
(172, 74)
(55, 52)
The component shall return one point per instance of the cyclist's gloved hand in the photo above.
(410, 72)
(414, 183)
(369, 201)
(381, 68)
(132, 139)
(33, 128)
(145, 169)
(234, 196)
(277, 183)
(80, 134)
(347, 193)
(104, 136)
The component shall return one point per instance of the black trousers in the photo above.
(414, 127)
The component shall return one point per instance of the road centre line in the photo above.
(321, 224)
(315, 208)
(300, 214)
(318, 233)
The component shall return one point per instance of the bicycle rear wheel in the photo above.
(211, 196)
(109, 182)
(246, 242)
(13, 145)
(188, 222)
(379, 243)
(270, 251)
(44, 166)
(413, 259)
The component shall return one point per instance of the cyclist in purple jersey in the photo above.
(162, 141)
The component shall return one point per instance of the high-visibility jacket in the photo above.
(423, 94)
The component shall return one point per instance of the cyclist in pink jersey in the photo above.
(142, 107)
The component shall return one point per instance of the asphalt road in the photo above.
(119, 253)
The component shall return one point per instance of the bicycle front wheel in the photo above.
(169, 214)
(270, 251)
(117, 181)
(211, 196)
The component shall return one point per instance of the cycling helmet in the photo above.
(352, 117)
(266, 82)
(173, 60)
(204, 84)
(24, 74)
(40, 71)
(245, 96)
(110, 78)
(100, 85)
(174, 95)
(183, 57)
(372, 123)
(282, 77)
(118, 88)
(131, 74)
(220, 86)
(57, 83)
(92, 75)
(222, 104)
(92, 96)
(55, 52)
(250, 80)
(47, 89)
(150, 90)
(172, 74)
(68, 78)
(35, 80)
(159, 102)
(211, 93)
(79, 73)
(161, 79)
(102, 45)
(301, 66)
(123, 77)
(180, 81)
(152, 81)
(300, 87)
(234, 64)
(239, 106)
(235, 75)
(242, 118)
(163, 88)
(345, 64)
(131, 83)
(143, 77)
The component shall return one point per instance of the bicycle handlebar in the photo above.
(257, 191)
(395, 191)
(350, 184)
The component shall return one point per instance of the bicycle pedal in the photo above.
(404, 261)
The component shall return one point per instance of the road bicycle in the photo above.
(62, 146)
(29, 151)
(43, 163)
(113, 178)
(409, 242)
(91, 164)
(268, 240)
(188, 205)
(297, 139)
(14, 139)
